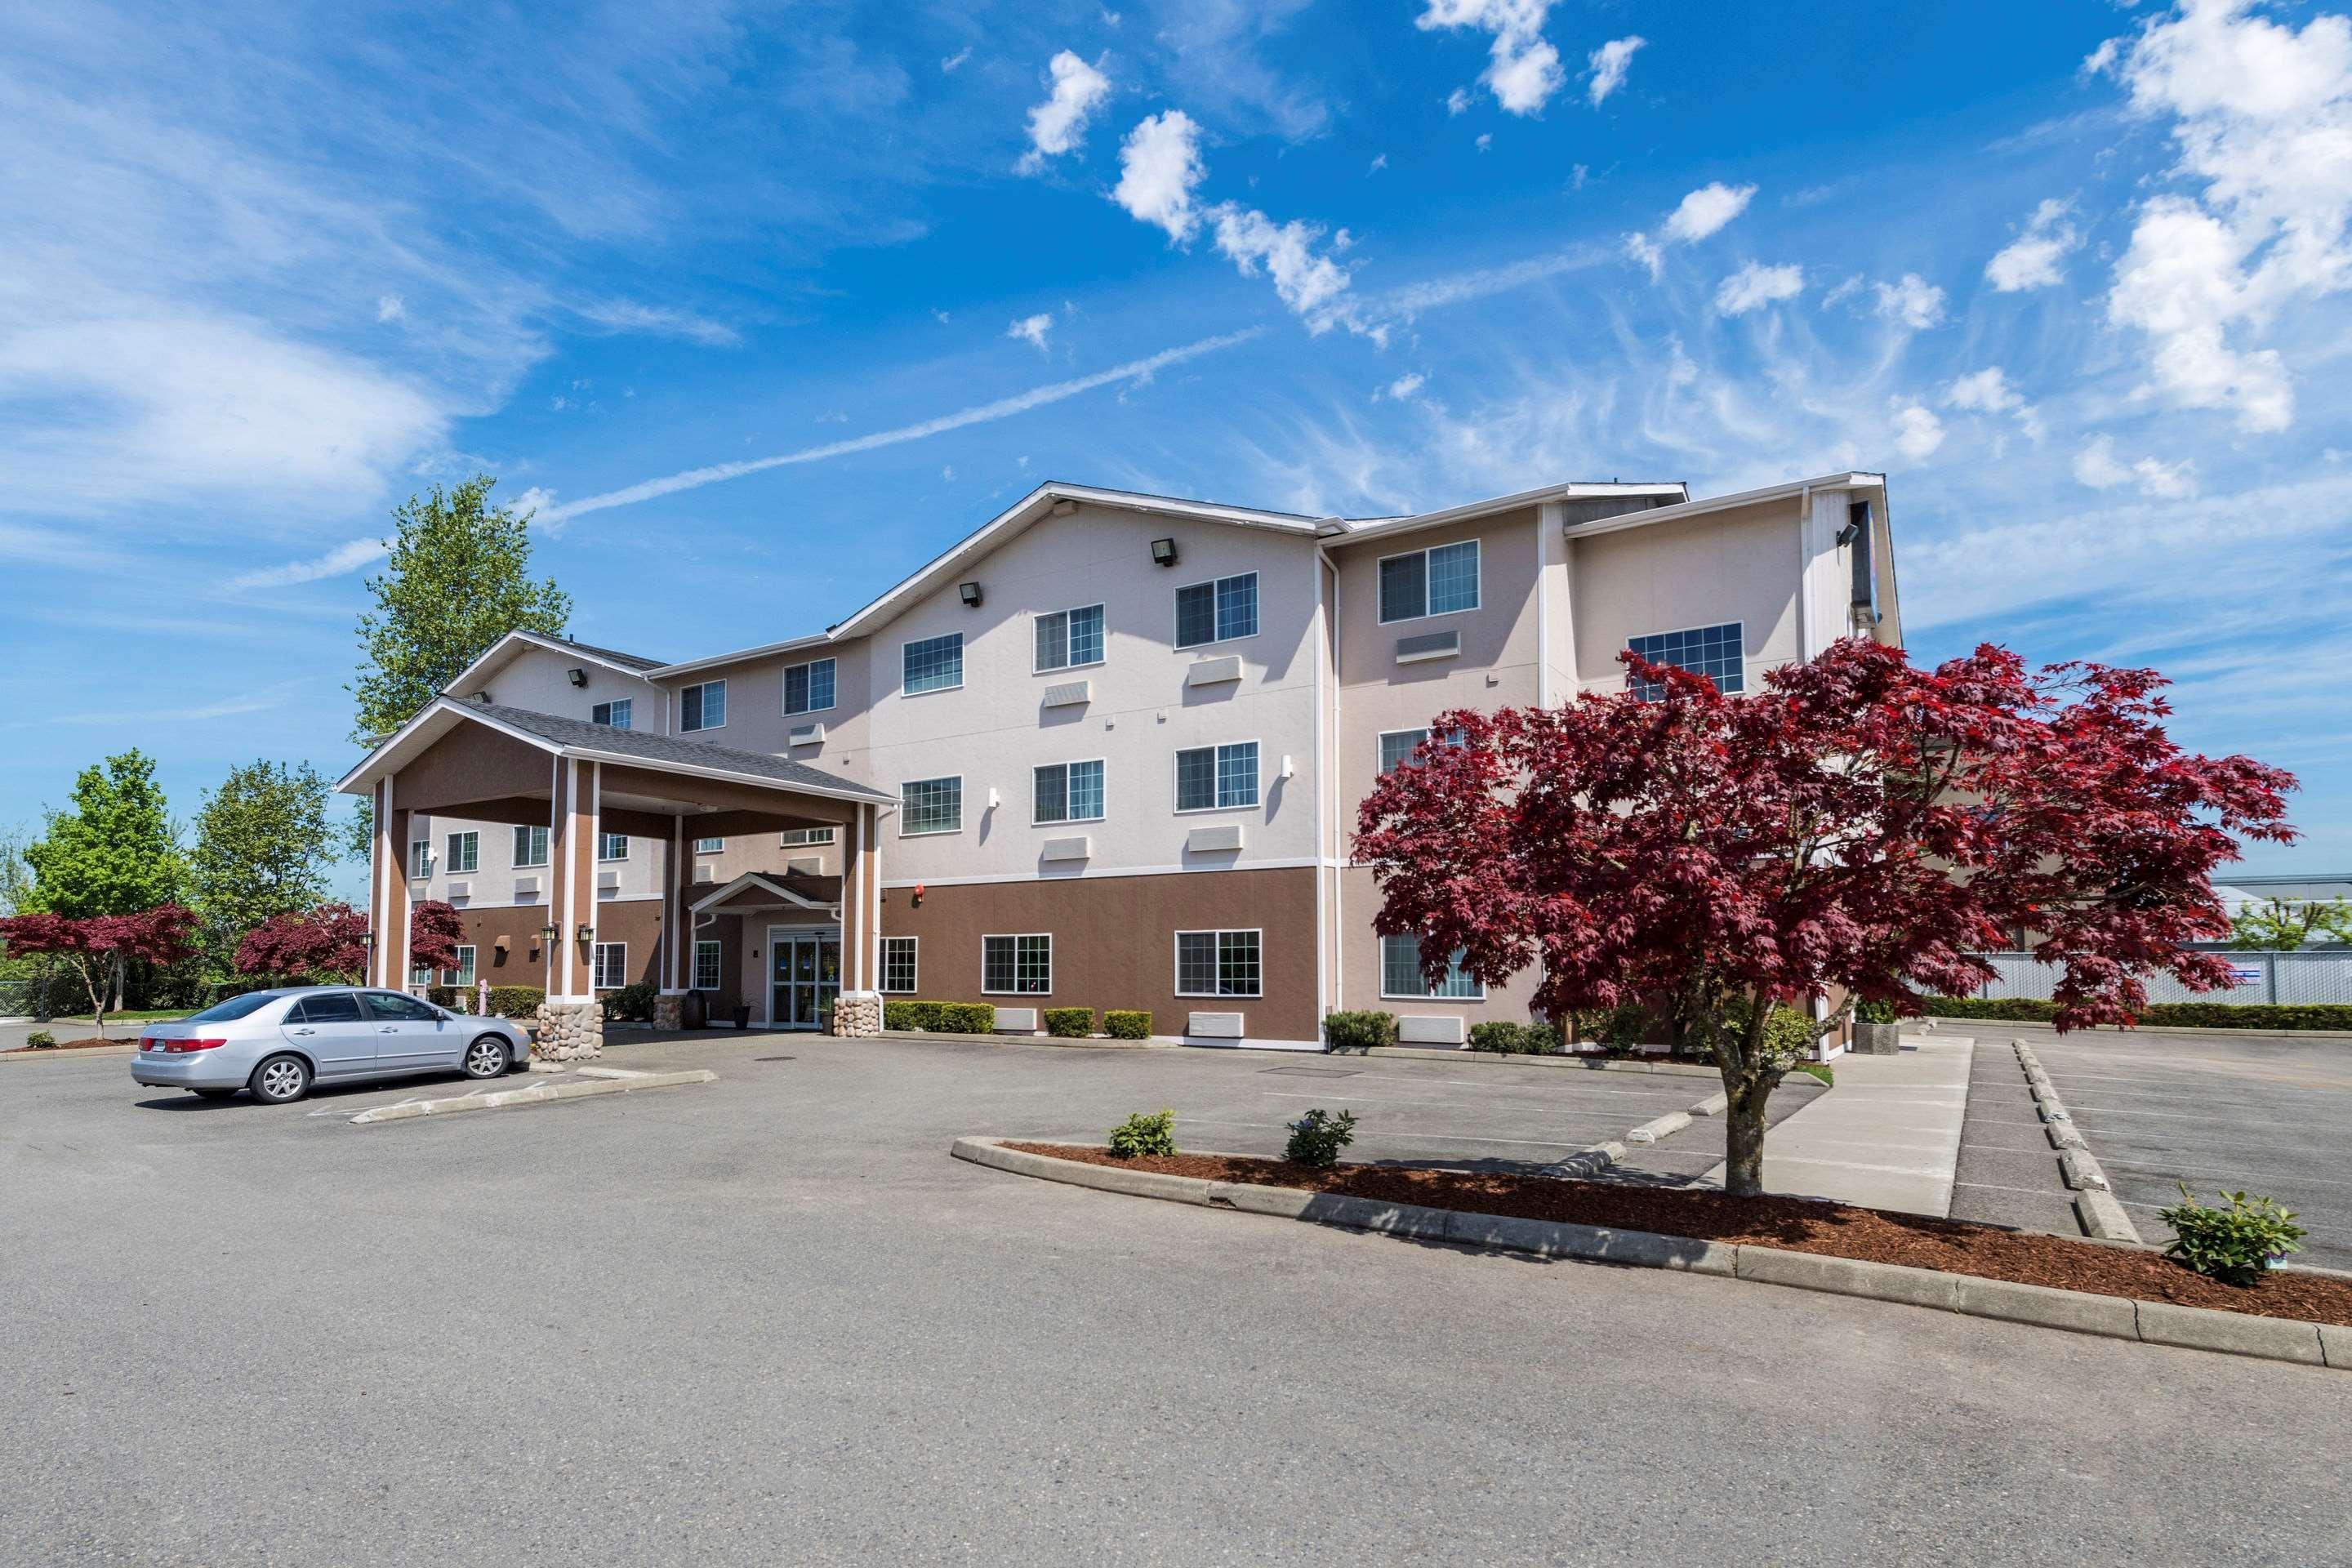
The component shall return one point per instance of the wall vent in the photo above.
(1068, 694)
(1214, 672)
(1214, 1025)
(1066, 848)
(1224, 836)
(1428, 645)
(807, 735)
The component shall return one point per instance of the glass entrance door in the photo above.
(806, 975)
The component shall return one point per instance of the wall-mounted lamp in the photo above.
(587, 933)
(918, 894)
(992, 801)
(970, 594)
(576, 676)
(367, 940)
(1163, 553)
(1286, 768)
(547, 933)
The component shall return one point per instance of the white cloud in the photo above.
(1647, 252)
(950, 64)
(1912, 301)
(1311, 285)
(391, 308)
(1755, 286)
(656, 321)
(1379, 163)
(1402, 387)
(1056, 125)
(1917, 431)
(1458, 100)
(1986, 391)
(343, 558)
(1706, 210)
(1484, 142)
(2030, 260)
(1607, 67)
(537, 499)
(1159, 168)
(2097, 466)
(1032, 329)
(2262, 116)
(1523, 69)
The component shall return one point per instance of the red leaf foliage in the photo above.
(153, 936)
(433, 932)
(327, 939)
(1860, 823)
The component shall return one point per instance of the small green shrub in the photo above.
(941, 1017)
(2233, 1245)
(1359, 1032)
(1503, 1037)
(516, 1000)
(1127, 1025)
(1069, 1023)
(41, 1040)
(1145, 1133)
(632, 1003)
(1873, 1013)
(2329, 1016)
(1627, 1025)
(1316, 1138)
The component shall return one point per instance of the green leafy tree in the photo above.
(263, 845)
(2284, 925)
(114, 850)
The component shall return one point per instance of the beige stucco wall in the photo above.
(1735, 566)
(1359, 967)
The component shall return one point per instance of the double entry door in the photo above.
(805, 974)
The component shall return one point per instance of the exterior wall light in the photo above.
(576, 676)
(547, 933)
(1163, 553)
(970, 594)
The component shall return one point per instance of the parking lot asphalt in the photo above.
(769, 1320)
(2257, 1116)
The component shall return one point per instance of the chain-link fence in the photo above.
(2284, 979)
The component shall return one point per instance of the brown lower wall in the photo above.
(636, 921)
(1115, 942)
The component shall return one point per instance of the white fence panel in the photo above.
(2288, 978)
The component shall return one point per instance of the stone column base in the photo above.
(669, 1010)
(858, 1014)
(569, 1032)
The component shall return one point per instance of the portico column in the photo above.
(392, 842)
(669, 1006)
(572, 1021)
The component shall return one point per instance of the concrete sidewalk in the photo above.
(1888, 1137)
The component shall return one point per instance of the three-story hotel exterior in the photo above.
(1105, 751)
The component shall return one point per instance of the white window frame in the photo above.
(597, 965)
(717, 964)
(628, 702)
(1380, 743)
(472, 839)
(784, 683)
(709, 846)
(1037, 821)
(1477, 582)
(904, 690)
(906, 813)
(1176, 611)
(804, 837)
(533, 834)
(1016, 938)
(914, 945)
(1425, 994)
(462, 974)
(1068, 662)
(605, 842)
(1174, 778)
(1739, 636)
(420, 857)
(704, 687)
(1176, 959)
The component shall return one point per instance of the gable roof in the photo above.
(499, 653)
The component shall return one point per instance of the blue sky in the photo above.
(761, 307)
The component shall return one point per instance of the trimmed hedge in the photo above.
(1069, 1023)
(2333, 1015)
(632, 1002)
(941, 1017)
(1503, 1037)
(1126, 1025)
(1358, 1031)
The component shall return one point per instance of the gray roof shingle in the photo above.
(658, 749)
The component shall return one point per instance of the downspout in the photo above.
(1804, 573)
(1329, 863)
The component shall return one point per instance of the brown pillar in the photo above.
(853, 903)
(393, 940)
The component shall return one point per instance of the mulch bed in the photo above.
(1793, 1224)
(92, 1043)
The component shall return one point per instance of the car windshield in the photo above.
(242, 1006)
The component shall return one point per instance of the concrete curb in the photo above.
(1589, 1064)
(1658, 1127)
(2077, 1312)
(103, 1053)
(2101, 1215)
(531, 1094)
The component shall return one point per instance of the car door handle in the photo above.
(389, 1029)
(306, 1031)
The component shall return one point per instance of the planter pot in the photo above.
(693, 1010)
(743, 1017)
(1877, 1039)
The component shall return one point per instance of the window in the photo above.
(612, 847)
(420, 857)
(465, 852)
(1712, 651)
(530, 846)
(702, 707)
(1216, 778)
(1067, 791)
(464, 973)
(420, 974)
(1436, 582)
(1016, 965)
(808, 688)
(612, 965)
(1865, 595)
(933, 664)
(899, 962)
(707, 962)
(1218, 963)
(331, 1007)
(1397, 747)
(791, 836)
(931, 805)
(392, 1008)
(1068, 637)
(1218, 611)
(710, 846)
(615, 715)
(1401, 973)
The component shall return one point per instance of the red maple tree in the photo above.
(1860, 826)
(434, 928)
(328, 941)
(95, 947)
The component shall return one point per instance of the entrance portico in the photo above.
(578, 780)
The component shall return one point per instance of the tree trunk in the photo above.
(1743, 1135)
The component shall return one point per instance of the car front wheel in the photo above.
(487, 1057)
(281, 1080)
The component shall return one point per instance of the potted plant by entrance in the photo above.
(743, 1015)
(1875, 1032)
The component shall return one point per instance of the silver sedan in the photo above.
(278, 1042)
